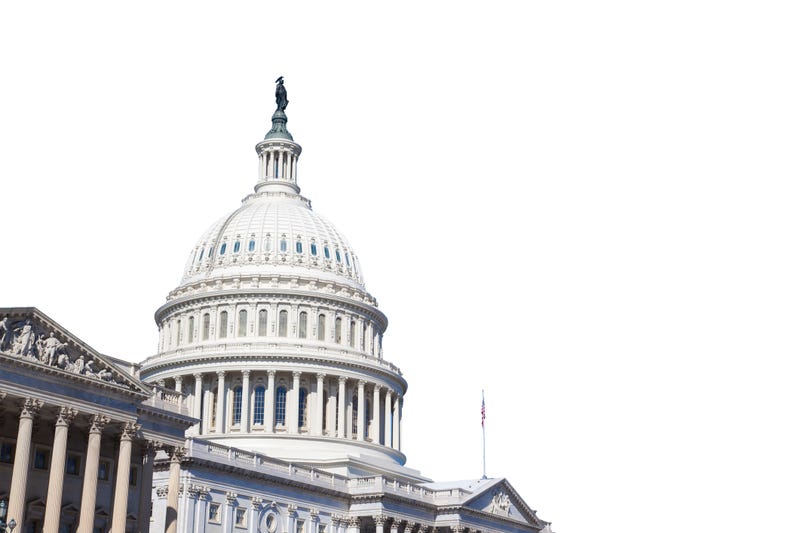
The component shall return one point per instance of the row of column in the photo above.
(278, 164)
(19, 478)
(391, 418)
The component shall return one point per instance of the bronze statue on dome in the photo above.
(280, 95)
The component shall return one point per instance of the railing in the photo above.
(364, 485)
(167, 399)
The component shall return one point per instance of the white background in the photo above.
(588, 209)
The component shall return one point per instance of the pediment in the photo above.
(32, 337)
(499, 498)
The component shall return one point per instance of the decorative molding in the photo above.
(65, 416)
(129, 430)
(501, 504)
(162, 491)
(29, 407)
(98, 422)
(232, 497)
(380, 519)
(256, 502)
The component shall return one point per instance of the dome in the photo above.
(275, 233)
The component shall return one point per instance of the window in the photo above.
(338, 330)
(251, 246)
(338, 256)
(201, 255)
(363, 335)
(190, 333)
(104, 469)
(223, 248)
(301, 526)
(258, 406)
(298, 247)
(302, 325)
(73, 465)
(223, 324)
(272, 523)
(41, 458)
(262, 323)
(241, 517)
(353, 333)
(237, 405)
(284, 246)
(354, 403)
(321, 328)
(302, 414)
(327, 252)
(280, 406)
(268, 243)
(314, 249)
(6, 452)
(236, 247)
(242, 322)
(206, 325)
(321, 528)
(347, 258)
(178, 341)
(283, 322)
(214, 513)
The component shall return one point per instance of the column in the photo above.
(201, 514)
(89, 493)
(291, 515)
(380, 519)
(120, 509)
(395, 526)
(361, 408)
(146, 490)
(58, 460)
(396, 424)
(188, 506)
(255, 507)
(198, 402)
(179, 384)
(245, 423)
(340, 404)
(221, 393)
(387, 418)
(171, 521)
(319, 414)
(19, 476)
(269, 408)
(228, 519)
(294, 412)
(375, 428)
(353, 525)
(280, 173)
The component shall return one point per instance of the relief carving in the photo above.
(501, 504)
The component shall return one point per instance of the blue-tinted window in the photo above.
(313, 249)
(302, 419)
(201, 254)
(210, 252)
(298, 247)
(338, 256)
(327, 253)
(236, 247)
(258, 406)
(280, 405)
(347, 258)
(251, 246)
(283, 245)
(237, 405)
(223, 248)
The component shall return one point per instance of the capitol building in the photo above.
(269, 406)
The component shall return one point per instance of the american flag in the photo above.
(483, 409)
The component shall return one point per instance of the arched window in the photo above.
(314, 249)
(353, 333)
(325, 410)
(347, 258)
(298, 247)
(327, 252)
(201, 255)
(178, 337)
(206, 326)
(190, 332)
(258, 405)
(236, 247)
(321, 328)
(268, 243)
(337, 332)
(262, 323)
(223, 325)
(280, 406)
(302, 415)
(302, 325)
(237, 405)
(213, 400)
(284, 246)
(242, 323)
(251, 246)
(283, 322)
(338, 256)
(363, 335)
(223, 248)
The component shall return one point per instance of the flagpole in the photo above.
(483, 430)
